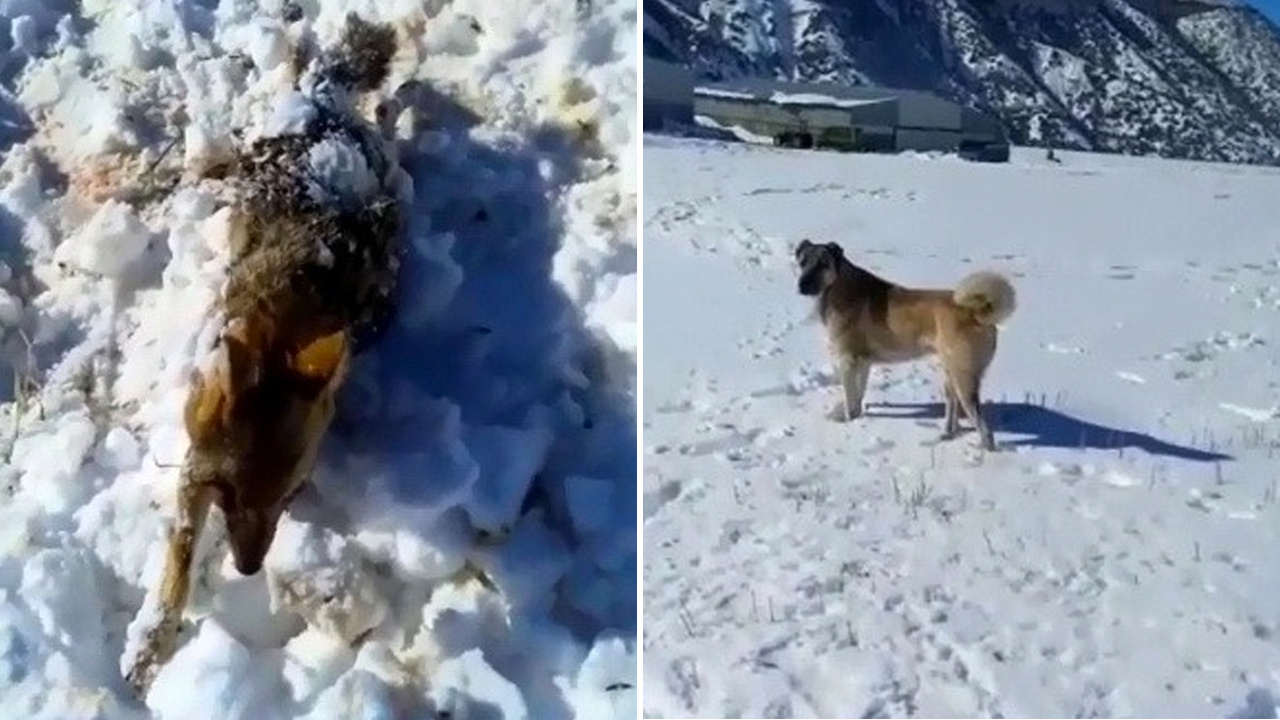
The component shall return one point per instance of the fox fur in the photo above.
(307, 282)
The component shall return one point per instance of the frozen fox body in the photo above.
(306, 278)
(312, 271)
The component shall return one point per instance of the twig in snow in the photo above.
(687, 619)
(25, 388)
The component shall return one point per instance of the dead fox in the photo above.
(307, 278)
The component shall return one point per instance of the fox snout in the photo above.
(250, 533)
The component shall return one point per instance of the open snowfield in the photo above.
(1116, 557)
(494, 423)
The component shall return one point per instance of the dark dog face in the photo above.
(819, 266)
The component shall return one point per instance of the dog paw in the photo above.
(837, 414)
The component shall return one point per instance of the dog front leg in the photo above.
(161, 640)
(854, 373)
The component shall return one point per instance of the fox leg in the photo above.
(161, 640)
(854, 373)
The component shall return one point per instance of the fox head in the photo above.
(255, 422)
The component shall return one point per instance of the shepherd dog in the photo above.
(872, 321)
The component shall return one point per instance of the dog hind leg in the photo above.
(966, 386)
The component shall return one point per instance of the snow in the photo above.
(818, 99)
(716, 92)
(1114, 558)
(786, 98)
(492, 427)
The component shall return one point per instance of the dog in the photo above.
(871, 321)
(308, 281)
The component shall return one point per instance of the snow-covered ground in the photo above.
(502, 398)
(1117, 557)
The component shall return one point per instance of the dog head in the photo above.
(256, 420)
(819, 265)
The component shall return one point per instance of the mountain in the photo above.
(1190, 79)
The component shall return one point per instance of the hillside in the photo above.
(1180, 79)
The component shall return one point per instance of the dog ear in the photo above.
(803, 247)
(836, 250)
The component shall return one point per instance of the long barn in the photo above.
(668, 94)
(862, 118)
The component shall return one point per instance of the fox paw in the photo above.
(159, 645)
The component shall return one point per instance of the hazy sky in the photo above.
(1270, 7)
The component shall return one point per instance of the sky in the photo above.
(1270, 7)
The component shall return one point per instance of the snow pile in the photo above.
(489, 434)
(1115, 559)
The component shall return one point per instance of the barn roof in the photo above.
(825, 93)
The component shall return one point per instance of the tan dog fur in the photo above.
(869, 321)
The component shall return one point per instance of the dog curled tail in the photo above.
(988, 295)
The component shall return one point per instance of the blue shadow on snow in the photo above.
(1048, 428)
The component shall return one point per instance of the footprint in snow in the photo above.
(877, 445)
(1062, 349)
(656, 500)
(1118, 479)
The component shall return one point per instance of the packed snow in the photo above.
(782, 98)
(1116, 557)
(493, 426)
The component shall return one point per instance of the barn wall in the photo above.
(980, 126)
(887, 120)
(880, 114)
(917, 110)
(668, 94)
(926, 140)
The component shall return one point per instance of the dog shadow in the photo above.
(1046, 428)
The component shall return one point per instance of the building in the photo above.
(858, 118)
(668, 94)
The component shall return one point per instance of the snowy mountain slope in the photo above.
(1114, 559)
(1177, 79)
(494, 423)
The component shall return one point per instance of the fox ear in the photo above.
(241, 353)
(322, 359)
(207, 405)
